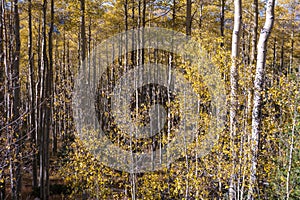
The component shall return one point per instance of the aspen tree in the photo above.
(233, 91)
(257, 98)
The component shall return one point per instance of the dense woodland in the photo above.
(255, 44)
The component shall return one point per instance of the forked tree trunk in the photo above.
(257, 99)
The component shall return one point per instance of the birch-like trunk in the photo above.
(288, 189)
(233, 92)
(257, 99)
(290, 162)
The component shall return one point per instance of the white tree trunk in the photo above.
(290, 156)
(233, 91)
(257, 99)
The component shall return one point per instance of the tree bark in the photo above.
(31, 91)
(2, 96)
(126, 35)
(254, 32)
(45, 113)
(17, 102)
(82, 32)
(188, 22)
(233, 92)
(222, 17)
(257, 99)
(50, 75)
(143, 25)
(290, 162)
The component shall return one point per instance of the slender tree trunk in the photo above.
(126, 35)
(50, 74)
(45, 113)
(274, 63)
(233, 92)
(200, 18)
(254, 32)
(291, 155)
(292, 46)
(257, 99)
(89, 36)
(133, 54)
(295, 110)
(188, 27)
(188, 22)
(222, 17)
(82, 32)
(2, 97)
(8, 94)
(281, 58)
(139, 36)
(31, 90)
(253, 53)
(143, 24)
(17, 102)
(38, 97)
(57, 73)
(134, 64)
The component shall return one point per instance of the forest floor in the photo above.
(28, 192)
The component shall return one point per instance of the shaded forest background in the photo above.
(42, 45)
